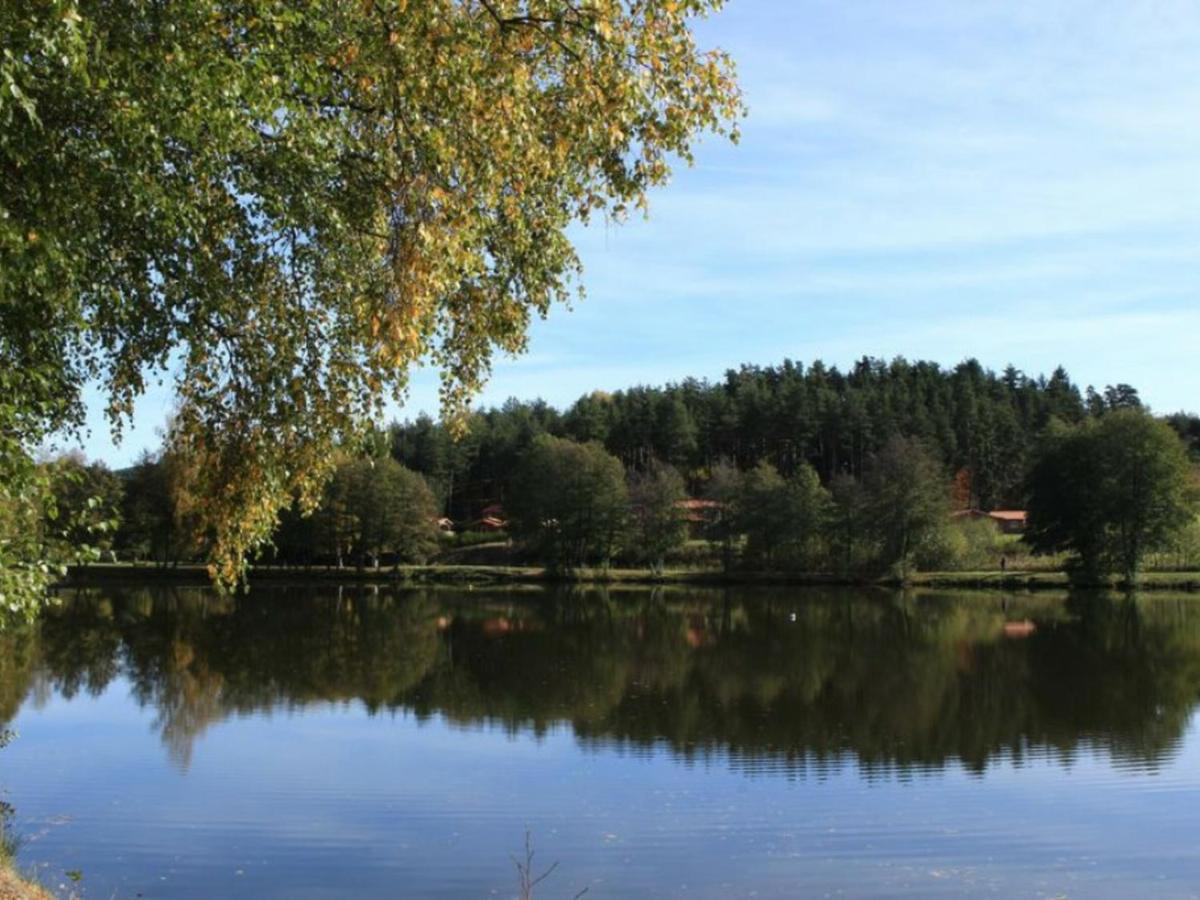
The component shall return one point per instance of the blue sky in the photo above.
(1012, 180)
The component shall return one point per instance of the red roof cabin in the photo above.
(1011, 521)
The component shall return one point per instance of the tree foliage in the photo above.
(394, 511)
(849, 524)
(907, 499)
(287, 205)
(889, 512)
(24, 567)
(56, 513)
(157, 522)
(782, 519)
(86, 501)
(658, 523)
(979, 425)
(760, 512)
(570, 503)
(1109, 492)
(724, 490)
(371, 509)
(1187, 426)
(809, 510)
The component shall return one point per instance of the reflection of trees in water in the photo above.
(18, 663)
(897, 684)
(763, 678)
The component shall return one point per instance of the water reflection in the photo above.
(769, 681)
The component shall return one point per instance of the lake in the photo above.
(313, 743)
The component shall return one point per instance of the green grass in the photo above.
(1052, 580)
(1015, 578)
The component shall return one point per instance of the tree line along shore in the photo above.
(880, 473)
(537, 578)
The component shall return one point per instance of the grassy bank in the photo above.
(442, 573)
(510, 574)
(14, 887)
(1052, 580)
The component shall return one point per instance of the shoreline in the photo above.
(1183, 581)
(15, 887)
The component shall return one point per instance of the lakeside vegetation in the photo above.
(13, 885)
(513, 575)
(1110, 488)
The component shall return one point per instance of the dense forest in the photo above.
(982, 425)
(808, 469)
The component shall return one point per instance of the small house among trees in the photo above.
(1009, 521)
(699, 514)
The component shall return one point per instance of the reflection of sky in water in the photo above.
(324, 800)
(280, 804)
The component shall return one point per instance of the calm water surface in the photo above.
(305, 744)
